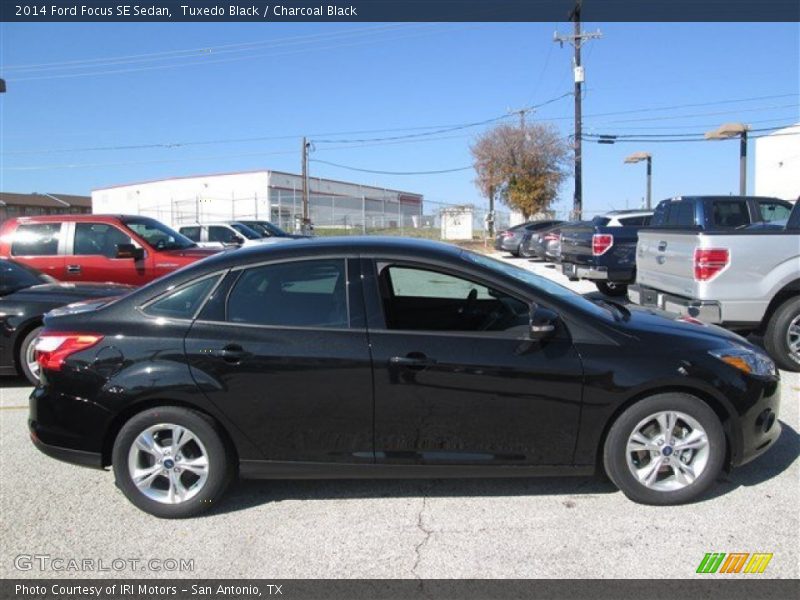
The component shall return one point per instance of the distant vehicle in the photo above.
(25, 296)
(232, 234)
(511, 239)
(714, 213)
(390, 357)
(109, 248)
(746, 279)
(535, 243)
(603, 250)
(268, 229)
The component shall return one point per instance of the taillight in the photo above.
(551, 237)
(708, 263)
(508, 234)
(601, 242)
(52, 349)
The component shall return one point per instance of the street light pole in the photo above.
(639, 157)
(732, 130)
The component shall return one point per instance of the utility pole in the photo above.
(305, 181)
(576, 39)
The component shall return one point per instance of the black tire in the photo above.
(615, 290)
(22, 357)
(515, 252)
(615, 448)
(524, 252)
(221, 466)
(776, 336)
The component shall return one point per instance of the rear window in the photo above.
(680, 214)
(36, 239)
(630, 221)
(773, 211)
(730, 214)
(601, 221)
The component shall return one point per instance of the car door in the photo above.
(92, 255)
(457, 380)
(282, 349)
(41, 246)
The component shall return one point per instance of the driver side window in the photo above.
(418, 299)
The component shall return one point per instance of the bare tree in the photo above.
(523, 164)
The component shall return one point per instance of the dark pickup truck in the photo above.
(603, 250)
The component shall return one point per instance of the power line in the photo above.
(349, 168)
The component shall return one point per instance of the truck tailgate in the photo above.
(665, 261)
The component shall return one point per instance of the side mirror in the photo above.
(543, 323)
(129, 251)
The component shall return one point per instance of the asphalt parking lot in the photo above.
(537, 528)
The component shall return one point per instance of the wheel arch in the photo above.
(119, 420)
(724, 413)
(22, 333)
(788, 291)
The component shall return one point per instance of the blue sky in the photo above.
(321, 79)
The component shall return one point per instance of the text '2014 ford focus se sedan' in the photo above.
(372, 357)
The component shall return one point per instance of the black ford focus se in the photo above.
(373, 357)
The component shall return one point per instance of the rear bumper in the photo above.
(574, 271)
(708, 311)
(93, 460)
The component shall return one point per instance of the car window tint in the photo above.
(681, 214)
(773, 211)
(193, 233)
(309, 293)
(14, 276)
(98, 239)
(217, 233)
(601, 221)
(419, 299)
(183, 303)
(730, 214)
(36, 239)
(630, 221)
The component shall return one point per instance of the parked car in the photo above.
(713, 213)
(536, 243)
(267, 229)
(381, 357)
(122, 249)
(25, 296)
(511, 239)
(232, 234)
(747, 280)
(603, 250)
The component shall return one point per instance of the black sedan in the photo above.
(25, 296)
(378, 357)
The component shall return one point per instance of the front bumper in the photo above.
(708, 311)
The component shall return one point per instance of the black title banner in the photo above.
(397, 589)
(398, 10)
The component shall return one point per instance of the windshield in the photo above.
(267, 228)
(246, 231)
(14, 276)
(158, 235)
(537, 282)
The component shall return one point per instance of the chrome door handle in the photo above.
(662, 246)
(73, 268)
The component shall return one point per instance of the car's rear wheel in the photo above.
(609, 288)
(27, 356)
(665, 449)
(782, 337)
(172, 462)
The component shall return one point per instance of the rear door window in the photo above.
(310, 293)
(681, 214)
(730, 214)
(36, 239)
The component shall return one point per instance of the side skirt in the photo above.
(267, 469)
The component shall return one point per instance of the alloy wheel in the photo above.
(30, 359)
(667, 451)
(793, 338)
(168, 463)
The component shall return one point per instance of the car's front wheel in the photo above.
(665, 449)
(172, 462)
(782, 338)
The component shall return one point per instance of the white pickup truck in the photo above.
(747, 280)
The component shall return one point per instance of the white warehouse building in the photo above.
(267, 195)
(777, 164)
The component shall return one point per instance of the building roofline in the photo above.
(250, 172)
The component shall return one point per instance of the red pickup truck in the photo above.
(121, 249)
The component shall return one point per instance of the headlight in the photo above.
(746, 360)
